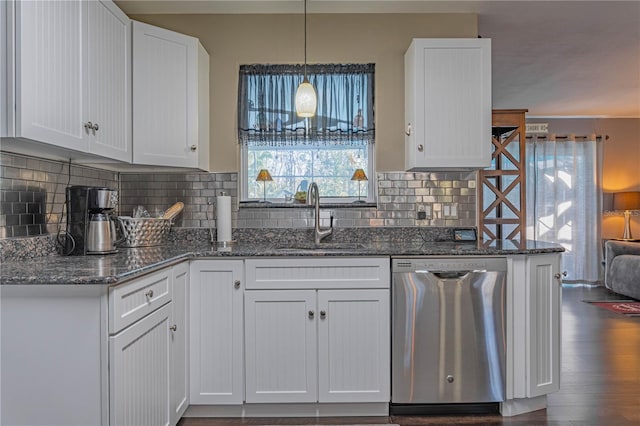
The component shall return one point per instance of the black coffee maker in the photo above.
(90, 228)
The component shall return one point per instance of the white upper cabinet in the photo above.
(448, 104)
(170, 99)
(70, 65)
(107, 82)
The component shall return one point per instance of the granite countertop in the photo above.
(134, 262)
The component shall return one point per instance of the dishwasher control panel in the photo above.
(452, 264)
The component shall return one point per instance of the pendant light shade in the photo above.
(306, 99)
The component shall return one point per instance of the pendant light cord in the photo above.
(305, 40)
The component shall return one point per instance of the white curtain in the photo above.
(564, 201)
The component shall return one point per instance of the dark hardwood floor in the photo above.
(600, 381)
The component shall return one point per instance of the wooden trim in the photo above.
(504, 121)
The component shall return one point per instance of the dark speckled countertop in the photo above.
(132, 263)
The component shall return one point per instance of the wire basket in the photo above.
(144, 232)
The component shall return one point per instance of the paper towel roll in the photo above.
(223, 217)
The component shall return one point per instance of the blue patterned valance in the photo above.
(345, 114)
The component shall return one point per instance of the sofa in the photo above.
(622, 267)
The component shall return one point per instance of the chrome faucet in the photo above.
(313, 196)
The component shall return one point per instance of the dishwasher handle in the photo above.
(451, 274)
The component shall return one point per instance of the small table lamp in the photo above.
(626, 201)
(264, 177)
(360, 176)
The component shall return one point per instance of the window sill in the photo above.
(284, 205)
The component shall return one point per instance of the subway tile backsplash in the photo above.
(32, 196)
(32, 192)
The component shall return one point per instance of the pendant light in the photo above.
(306, 100)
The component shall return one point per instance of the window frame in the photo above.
(369, 199)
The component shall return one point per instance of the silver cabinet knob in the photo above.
(236, 284)
(420, 148)
(193, 148)
(323, 314)
(558, 275)
(149, 294)
(311, 314)
(174, 327)
(408, 131)
(91, 126)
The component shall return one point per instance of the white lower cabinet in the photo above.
(317, 330)
(545, 309)
(180, 342)
(281, 342)
(216, 341)
(148, 349)
(533, 332)
(353, 336)
(139, 372)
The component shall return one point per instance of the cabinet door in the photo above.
(216, 330)
(280, 342)
(6, 92)
(448, 103)
(353, 346)
(49, 72)
(107, 83)
(165, 97)
(139, 372)
(545, 310)
(179, 342)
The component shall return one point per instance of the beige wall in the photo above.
(621, 165)
(232, 40)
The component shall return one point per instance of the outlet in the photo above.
(450, 210)
(423, 211)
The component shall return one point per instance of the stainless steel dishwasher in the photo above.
(448, 334)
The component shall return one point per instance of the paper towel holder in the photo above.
(224, 245)
(220, 245)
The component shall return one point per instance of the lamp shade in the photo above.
(626, 200)
(264, 176)
(306, 100)
(359, 174)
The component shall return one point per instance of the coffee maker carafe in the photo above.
(90, 228)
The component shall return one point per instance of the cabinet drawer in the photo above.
(132, 301)
(316, 273)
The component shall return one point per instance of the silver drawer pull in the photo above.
(173, 328)
(149, 294)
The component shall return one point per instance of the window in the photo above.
(325, 149)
